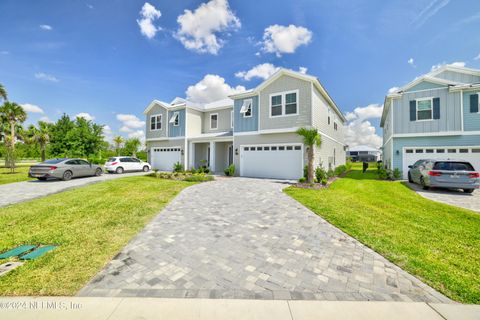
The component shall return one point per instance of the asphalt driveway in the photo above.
(245, 238)
(27, 190)
(457, 198)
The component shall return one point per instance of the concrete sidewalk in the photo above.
(151, 308)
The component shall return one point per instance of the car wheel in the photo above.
(145, 169)
(119, 170)
(42, 179)
(468, 190)
(410, 178)
(67, 175)
(422, 182)
(98, 172)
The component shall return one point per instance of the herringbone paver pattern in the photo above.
(244, 238)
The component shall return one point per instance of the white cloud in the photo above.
(211, 88)
(85, 116)
(130, 122)
(45, 119)
(281, 39)
(46, 27)
(4, 52)
(411, 62)
(360, 131)
(393, 89)
(428, 12)
(46, 77)
(303, 70)
(200, 30)
(262, 71)
(28, 107)
(477, 57)
(148, 15)
(453, 64)
(140, 134)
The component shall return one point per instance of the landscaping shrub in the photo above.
(198, 177)
(320, 174)
(330, 173)
(302, 180)
(305, 172)
(324, 182)
(397, 174)
(340, 169)
(184, 176)
(177, 167)
(230, 170)
(348, 165)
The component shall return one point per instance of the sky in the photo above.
(107, 60)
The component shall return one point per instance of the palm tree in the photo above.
(40, 135)
(311, 138)
(3, 93)
(118, 140)
(134, 144)
(13, 114)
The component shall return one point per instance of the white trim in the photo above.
(244, 110)
(161, 122)
(283, 94)
(431, 109)
(245, 133)
(175, 118)
(437, 134)
(165, 138)
(282, 130)
(211, 115)
(461, 110)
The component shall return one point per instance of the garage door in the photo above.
(277, 161)
(411, 155)
(163, 159)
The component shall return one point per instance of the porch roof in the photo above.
(214, 136)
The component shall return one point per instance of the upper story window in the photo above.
(335, 126)
(156, 122)
(284, 104)
(475, 103)
(246, 109)
(424, 109)
(175, 119)
(214, 121)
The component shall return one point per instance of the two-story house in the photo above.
(436, 116)
(254, 130)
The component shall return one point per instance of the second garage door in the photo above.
(276, 161)
(163, 159)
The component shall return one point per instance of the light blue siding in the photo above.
(454, 141)
(458, 77)
(242, 124)
(176, 131)
(471, 121)
(425, 85)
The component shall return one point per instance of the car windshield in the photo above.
(111, 159)
(453, 166)
(53, 161)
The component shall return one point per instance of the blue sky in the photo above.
(111, 58)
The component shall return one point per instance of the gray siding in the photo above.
(223, 120)
(176, 131)
(156, 133)
(458, 77)
(286, 83)
(471, 121)
(450, 113)
(243, 124)
(321, 111)
(425, 85)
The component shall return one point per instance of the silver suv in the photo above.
(452, 174)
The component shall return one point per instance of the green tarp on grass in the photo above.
(40, 251)
(16, 251)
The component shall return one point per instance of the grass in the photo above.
(90, 224)
(438, 243)
(21, 174)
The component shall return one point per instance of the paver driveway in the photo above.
(245, 238)
(457, 198)
(16, 192)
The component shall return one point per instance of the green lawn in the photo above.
(21, 174)
(90, 225)
(438, 243)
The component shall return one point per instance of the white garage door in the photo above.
(411, 155)
(277, 161)
(163, 159)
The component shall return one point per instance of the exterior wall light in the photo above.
(236, 151)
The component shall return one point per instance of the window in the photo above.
(289, 148)
(214, 121)
(475, 150)
(266, 148)
(281, 148)
(424, 109)
(453, 166)
(409, 151)
(83, 162)
(328, 119)
(274, 148)
(440, 150)
(246, 109)
(419, 151)
(298, 148)
(291, 103)
(429, 150)
(156, 122)
(276, 105)
(463, 150)
(452, 150)
(175, 119)
(335, 126)
(284, 104)
(231, 119)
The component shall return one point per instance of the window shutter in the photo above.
(474, 103)
(436, 108)
(413, 110)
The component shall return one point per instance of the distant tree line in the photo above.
(65, 138)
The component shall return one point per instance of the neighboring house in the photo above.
(363, 153)
(436, 116)
(254, 130)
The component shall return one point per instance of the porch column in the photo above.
(191, 155)
(212, 156)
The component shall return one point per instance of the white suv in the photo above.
(122, 164)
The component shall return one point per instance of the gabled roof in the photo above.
(183, 103)
(294, 74)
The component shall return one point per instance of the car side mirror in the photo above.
(410, 167)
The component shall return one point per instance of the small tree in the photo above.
(13, 114)
(3, 93)
(40, 135)
(311, 138)
(132, 145)
(118, 140)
